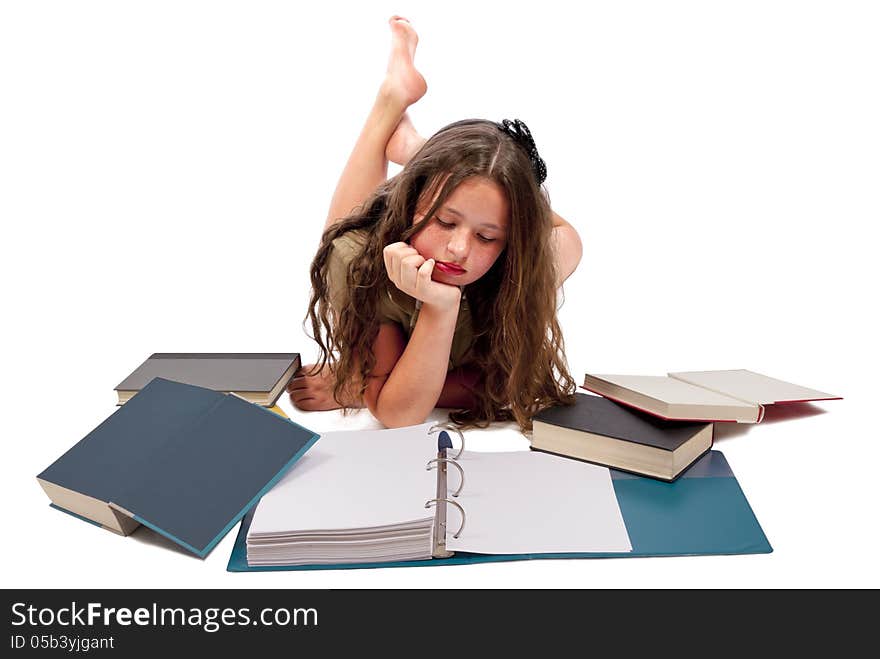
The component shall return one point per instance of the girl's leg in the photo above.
(404, 143)
(367, 166)
(366, 169)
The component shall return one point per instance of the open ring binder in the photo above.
(516, 505)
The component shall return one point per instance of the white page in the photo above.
(527, 502)
(673, 391)
(353, 479)
(751, 386)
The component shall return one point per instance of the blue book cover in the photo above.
(183, 460)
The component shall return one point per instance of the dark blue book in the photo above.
(186, 461)
(603, 432)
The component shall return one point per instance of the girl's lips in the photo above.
(449, 268)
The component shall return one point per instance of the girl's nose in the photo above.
(459, 244)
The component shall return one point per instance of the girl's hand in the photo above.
(411, 273)
(312, 392)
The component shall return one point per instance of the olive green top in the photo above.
(395, 306)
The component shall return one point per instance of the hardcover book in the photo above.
(186, 461)
(598, 430)
(732, 395)
(259, 377)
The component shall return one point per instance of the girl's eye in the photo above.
(450, 225)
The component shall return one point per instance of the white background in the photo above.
(165, 169)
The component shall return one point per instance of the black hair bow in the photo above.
(522, 135)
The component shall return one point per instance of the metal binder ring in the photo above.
(454, 503)
(452, 462)
(437, 427)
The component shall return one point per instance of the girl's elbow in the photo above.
(398, 423)
(390, 415)
(398, 418)
(578, 251)
(577, 245)
(568, 245)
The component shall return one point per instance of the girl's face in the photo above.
(467, 234)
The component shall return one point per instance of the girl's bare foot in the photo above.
(404, 142)
(403, 82)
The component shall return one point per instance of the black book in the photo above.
(186, 461)
(598, 430)
(259, 377)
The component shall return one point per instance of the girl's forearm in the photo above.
(414, 385)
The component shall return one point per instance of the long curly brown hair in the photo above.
(518, 350)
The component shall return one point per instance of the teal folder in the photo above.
(704, 512)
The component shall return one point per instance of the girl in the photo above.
(437, 288)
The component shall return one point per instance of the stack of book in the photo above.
(658, 426)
